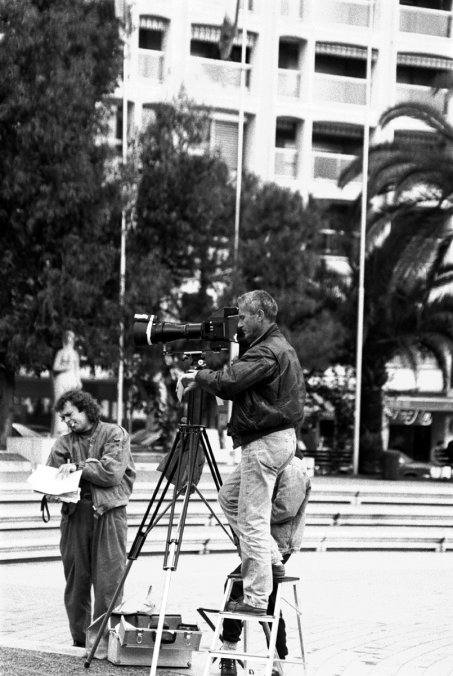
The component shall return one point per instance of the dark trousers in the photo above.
(93, 550)
(232, 629)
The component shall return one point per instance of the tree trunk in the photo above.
(6, 404)
(371, 430)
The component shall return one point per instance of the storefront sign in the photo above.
(409, 416)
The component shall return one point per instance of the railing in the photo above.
(292, 8)
(220, 73)
(288, 82)
(347, 12)
(329, 166)
(410, 93)
(340, 89)
(286, 162)
(150, 64)
(425, 21)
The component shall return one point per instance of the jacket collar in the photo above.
(273, 328)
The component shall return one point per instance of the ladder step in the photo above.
(247, 616)
(235, 654)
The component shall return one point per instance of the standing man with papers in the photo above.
(94, 530)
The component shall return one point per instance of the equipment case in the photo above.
(132, 639)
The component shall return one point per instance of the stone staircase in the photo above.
(343, 514)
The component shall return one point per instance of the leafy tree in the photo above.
(183, 212)
(279, 251)
(408, 274)
(58, 59)
(179, 243)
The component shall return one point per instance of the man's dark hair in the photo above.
(81, 400)
(260, 300)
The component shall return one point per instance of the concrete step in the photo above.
(343, 514)
(25, 545)
(26, 513)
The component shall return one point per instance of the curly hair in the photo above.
(81, 400)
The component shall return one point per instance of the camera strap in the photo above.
(45, 514)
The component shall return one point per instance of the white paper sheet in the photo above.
(46, 480)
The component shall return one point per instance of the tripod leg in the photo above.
(209, 453)
(160, 624)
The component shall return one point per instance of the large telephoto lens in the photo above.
(148, 331)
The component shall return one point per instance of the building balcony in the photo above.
(221, 74)
(410, 93)
(346, 12)
(151, 64)
(285, 162)
(425, 21)
(328, 166)
(339, 89)
(288, 82)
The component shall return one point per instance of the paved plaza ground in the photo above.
(364, 613)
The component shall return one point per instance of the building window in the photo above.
(224, 138)
(151, 44)
(335, 65)
(150, 39)
(443, 5)
(334, 147)
(286, 142)
(205, 43)
(427, 17)
(416, 76)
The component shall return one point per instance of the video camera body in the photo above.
(215, 334)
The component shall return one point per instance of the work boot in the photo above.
(277, 669)
(240, 606)
(227, 667)
(278, 571)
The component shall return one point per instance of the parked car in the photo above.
(399, 465)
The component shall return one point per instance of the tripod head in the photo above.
(196, 398)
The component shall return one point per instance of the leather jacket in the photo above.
(266, 386)
(109, 469)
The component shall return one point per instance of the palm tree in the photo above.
(409, 260)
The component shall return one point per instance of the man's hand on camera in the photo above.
(186, 383)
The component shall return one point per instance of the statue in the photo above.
(66, 376)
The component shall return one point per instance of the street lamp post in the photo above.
(121, 11)
(363, 219)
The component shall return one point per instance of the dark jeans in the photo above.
(232, 629)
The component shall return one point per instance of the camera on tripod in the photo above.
(214, 334)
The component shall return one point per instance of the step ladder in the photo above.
(270, 626)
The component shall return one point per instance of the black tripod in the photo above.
(182, 467)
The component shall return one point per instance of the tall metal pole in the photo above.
(237, 214)
(363, 219)
(122, 290)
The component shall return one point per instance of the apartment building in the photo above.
(304, 87)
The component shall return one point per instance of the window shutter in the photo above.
(226, 141)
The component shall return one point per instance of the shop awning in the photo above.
(432, 404)
(344, 130)
(154, 23)
(212, 34)
(424, 61)
(340, 49)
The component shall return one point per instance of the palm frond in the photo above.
(427, 114)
